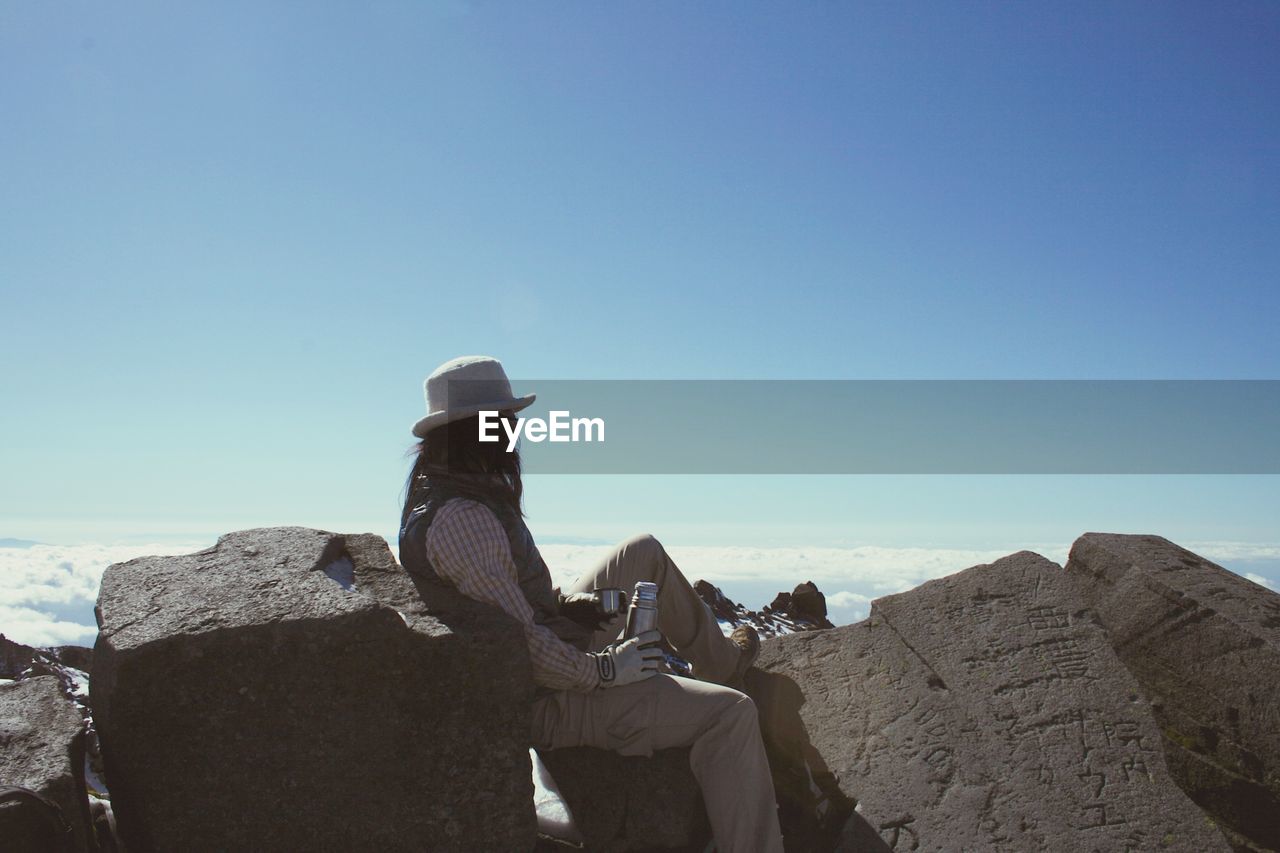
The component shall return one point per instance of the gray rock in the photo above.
(623, 803)
(80, 657)
(987, 711)
(1204, 644)
(809, 604)
(42, 749)
(253, 697)
(69, 664)
(15, 658)
(780, 617)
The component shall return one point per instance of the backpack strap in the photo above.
(48, 808)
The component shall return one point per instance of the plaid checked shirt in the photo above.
(467, 546)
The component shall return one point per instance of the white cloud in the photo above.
(1259, 579)
(844, 607)
(1218, 551)
(38, 628)
(844, 598)
(41, 578)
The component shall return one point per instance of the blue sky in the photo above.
(235, 239)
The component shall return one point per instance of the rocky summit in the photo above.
(293, 689)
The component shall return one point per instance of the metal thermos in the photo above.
(643, 615)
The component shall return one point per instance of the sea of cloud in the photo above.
(47, 592)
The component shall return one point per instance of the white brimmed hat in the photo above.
(464, 387)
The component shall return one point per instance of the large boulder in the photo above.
(253, 697)
(985, 711)
(1204, 644)
(42, 751)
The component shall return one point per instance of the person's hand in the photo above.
(631, 660)
(584, 608)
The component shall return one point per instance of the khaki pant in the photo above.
(727, 756)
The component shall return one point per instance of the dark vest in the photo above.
(531, 572)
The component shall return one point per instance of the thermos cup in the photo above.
(610, 600)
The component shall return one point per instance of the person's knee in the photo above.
(736, 708)
(745, 708)
(646, 548)
(643, 542)
(738, 721)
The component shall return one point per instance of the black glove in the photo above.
(584, 608)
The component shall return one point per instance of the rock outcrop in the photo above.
(253, 696)
(69, 664)
(292, 688)
(984, 711)
(15, 658)
(805, 609)
(1204, 645)
(805, 606)
(42, 751)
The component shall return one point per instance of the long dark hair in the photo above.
(454, 456)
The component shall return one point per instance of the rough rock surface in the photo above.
(69, 664)
(631, 803)
(1204, 644)
(80, 657)
(20, 661)
(15, 658)
(252, 696)
(986, 711)
(42, 748)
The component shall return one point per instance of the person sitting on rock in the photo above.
(463, 525)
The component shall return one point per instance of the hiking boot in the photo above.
(747, 639)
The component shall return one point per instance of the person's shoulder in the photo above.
(463, 529)
(465, 511)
